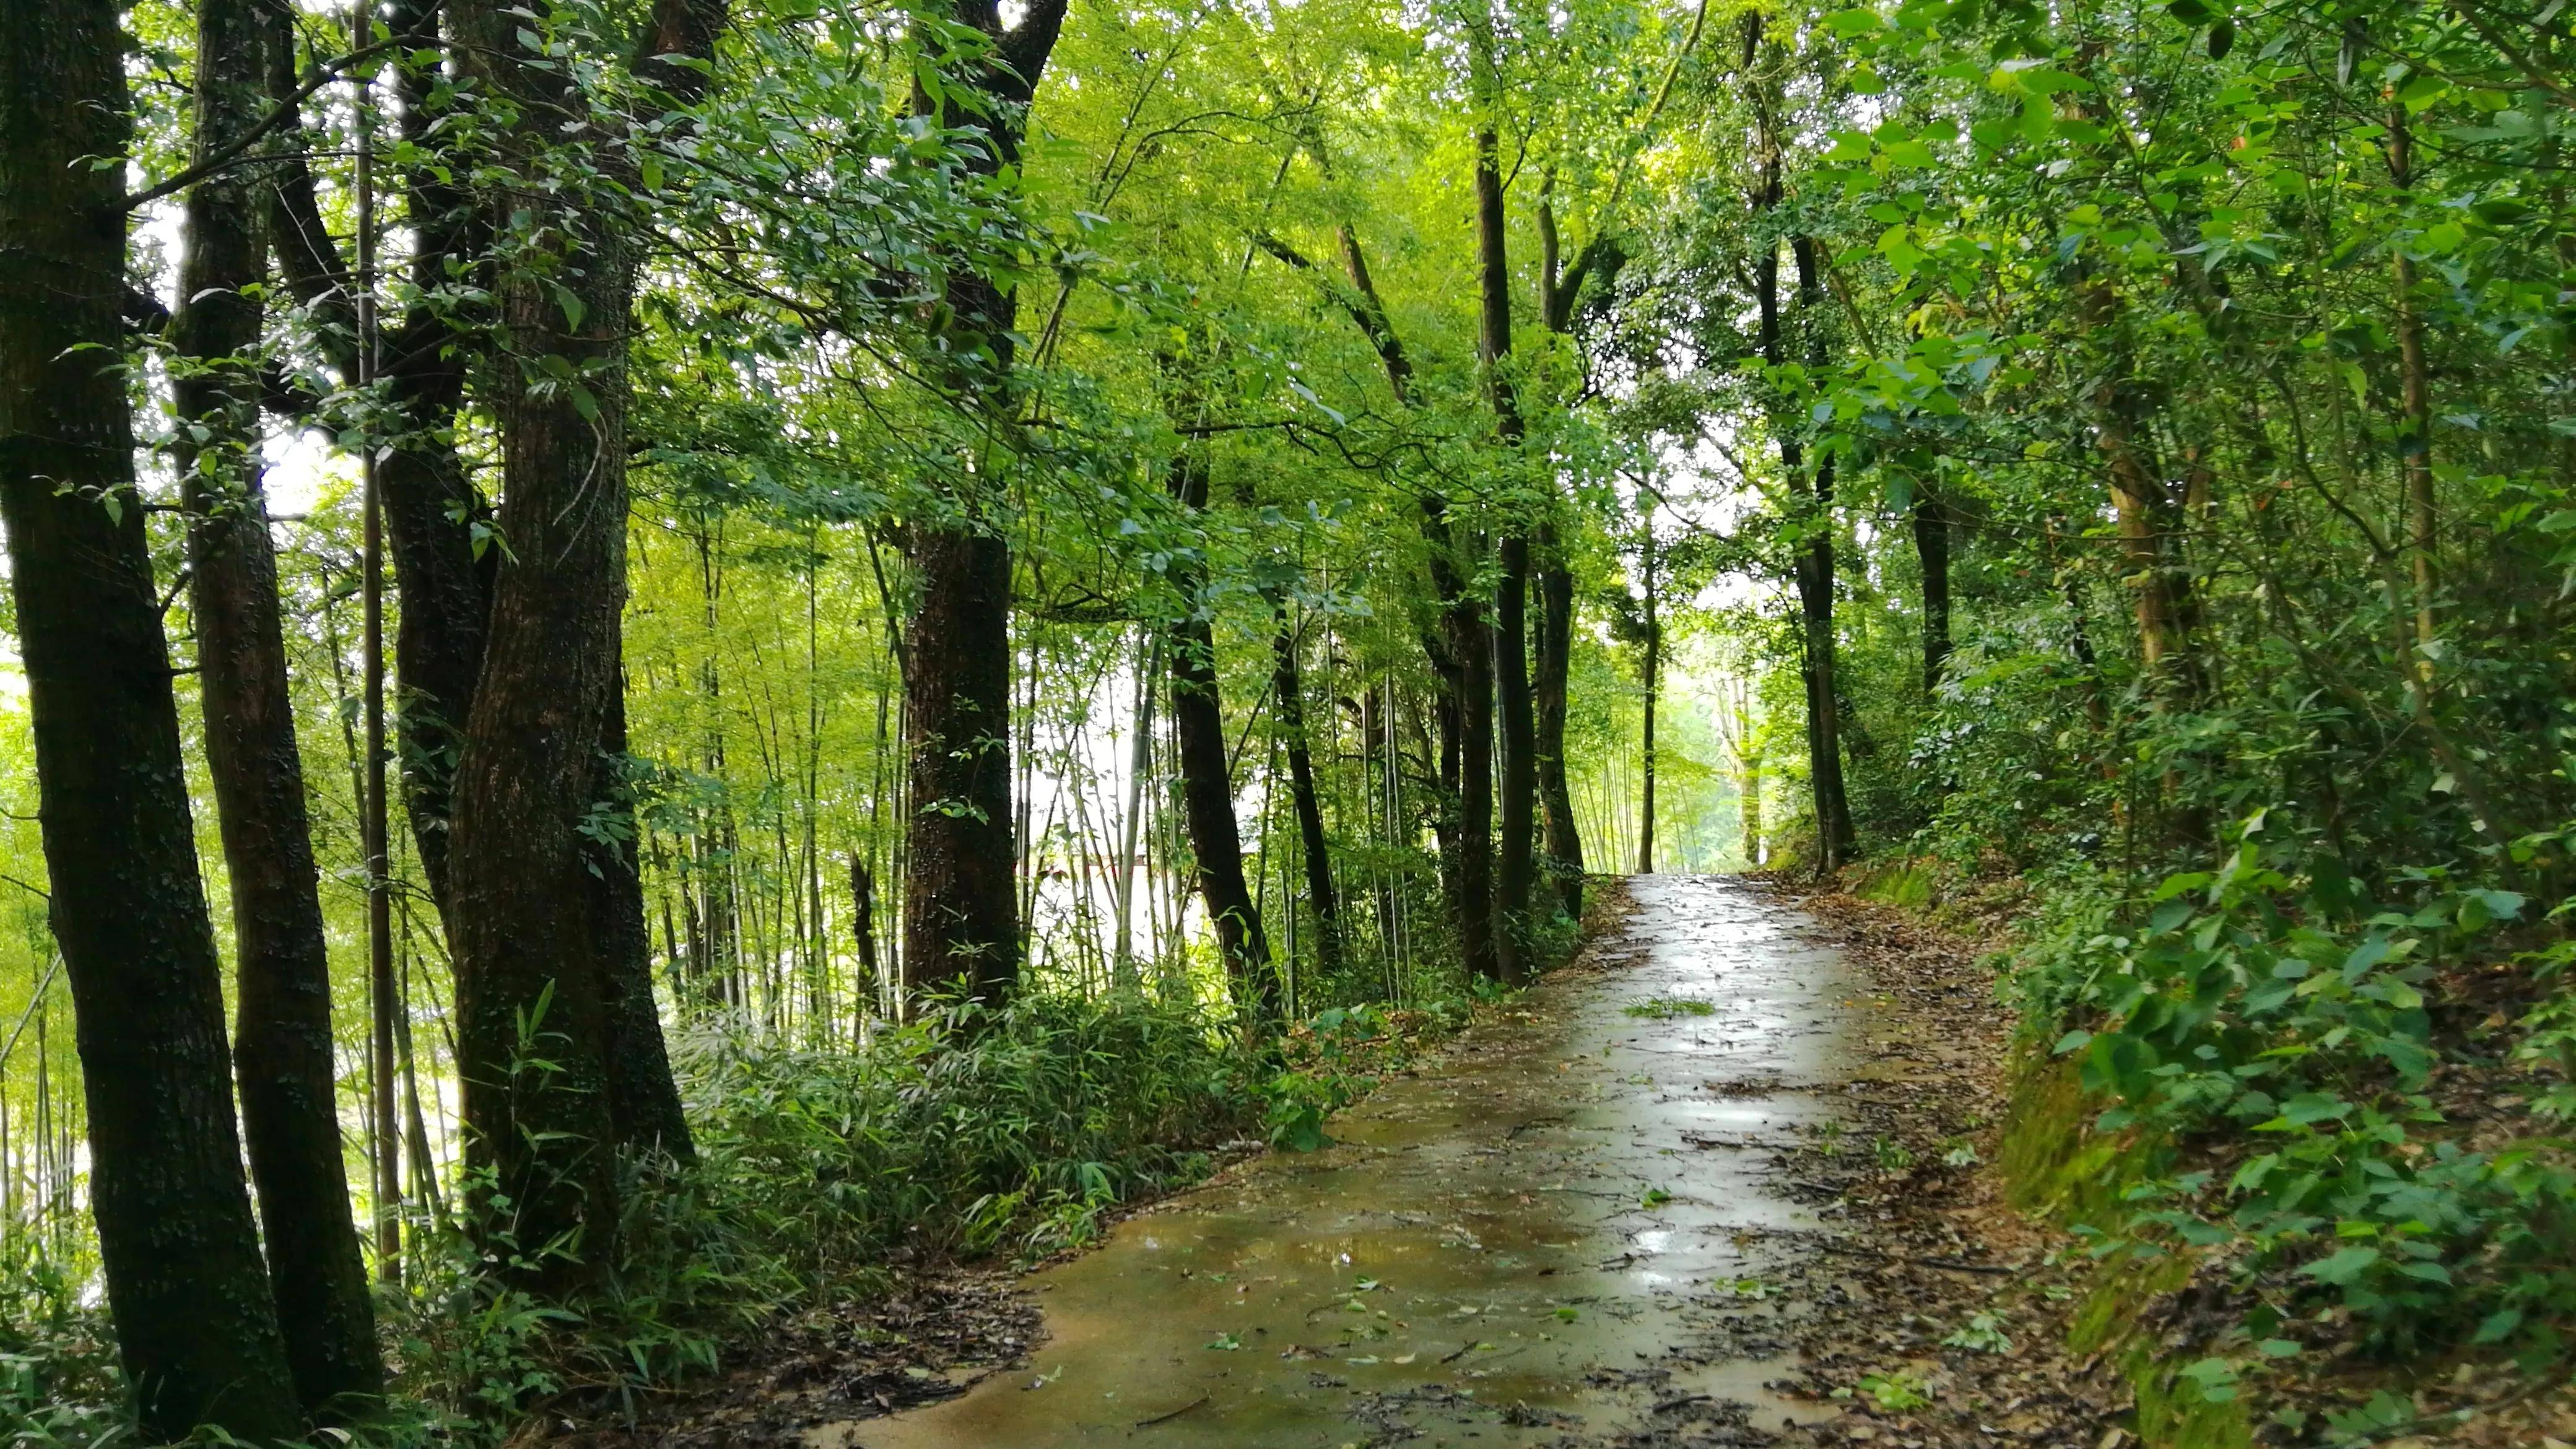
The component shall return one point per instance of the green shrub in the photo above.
(2263, 1031)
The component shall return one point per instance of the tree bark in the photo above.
(196, 1327)
(643, 1097)
(1563, 838)
(1835, 837)
(1517, 863)
(283, 1060)
(1652, 673)
(1207, 782)
(961, 911)
(1814, 563)
(1932, 551)
(1559, 289)
(1288, 695)
(534, 972)
(863, 937)
(961, 915)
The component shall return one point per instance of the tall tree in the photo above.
(1649, 678)
(284, 1061)
(1561, 286)
(196, 1327)
(1813, 566)
(1931, 519)
(961, 929)
(533, 974)
(433, 513)
(1459, 649)
(1517, 863)
(1207, 781)
(1288, 697)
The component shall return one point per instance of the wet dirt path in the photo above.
(1568, 1229)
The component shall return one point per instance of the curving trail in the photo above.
(1571, 1229)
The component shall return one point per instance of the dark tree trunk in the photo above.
(961, 928)
(1461, 656)
(535, 975)
(431, 508)
(863, 931)
(283, 1061)
(196, 1327)
(1384, 764)
(1559, 289)
(1510, 638)
(1814, 565)
(1288, 691)
(1815, 568)
(1471, 643)
(1516, 865)
(1207, 781)
(961, 914)
(1932, 551)
(643, 1097)
(1652, 674)
(1548, 688)
(1816, 596)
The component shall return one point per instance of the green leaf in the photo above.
(2344, 1267)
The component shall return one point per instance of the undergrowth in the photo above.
(2343, 1104)
(1010, 1135)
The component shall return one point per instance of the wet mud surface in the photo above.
(1580, 1225)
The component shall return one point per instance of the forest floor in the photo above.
(1721, 1181)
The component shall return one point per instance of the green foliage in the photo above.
(2266, 1028)
(1005, 1134)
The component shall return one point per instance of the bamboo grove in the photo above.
(657, 541)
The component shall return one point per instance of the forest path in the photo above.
(1573, 1227)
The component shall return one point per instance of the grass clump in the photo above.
(1667, 1008)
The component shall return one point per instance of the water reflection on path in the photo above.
(1561, 1228)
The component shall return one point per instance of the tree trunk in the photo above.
(961, 929)
(1517, 863)
(1461, 660)
(1470, 642)
(1288, 694)
(1653, 680)
(1510, 639)
(1932, 551)
(1548, 687)
(643, 1097)
(961, 914)
(1558, 294)
(863, 936)
(431, 509)
(1207, 781)
(196, 1327)
(1814, 565)
(536, 979)
(283, 1062)
(1748, 807)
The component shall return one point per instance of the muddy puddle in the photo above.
(1568, 1229)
